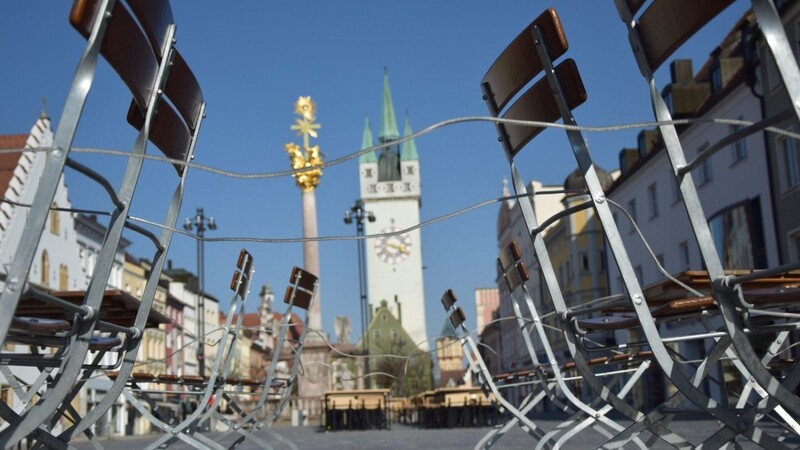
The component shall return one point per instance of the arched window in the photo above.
(45, 279)
(63, 277)
(55, 220)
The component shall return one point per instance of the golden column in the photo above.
(310, 158)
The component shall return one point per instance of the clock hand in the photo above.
(399, 247)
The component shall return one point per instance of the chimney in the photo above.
(681, 71)
(399, 310)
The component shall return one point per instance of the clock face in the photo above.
(393, 249)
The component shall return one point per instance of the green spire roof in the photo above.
(448, 330)
(388, 122)
(408, 149)
(366, 142)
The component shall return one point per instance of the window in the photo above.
(632, 212)
(45, 275)
(584, 262)
(716, 77)
(706, 173)
(660, 259)
(63, 277)
(601, 255)
(794, 246)
(676, 190)
(788, 158)
(738, 236)
(569, 270)
(376, 334)
(683, 249)
(409, 170)
(652, 196)
(739, 149)
(639, 274)
(55, 222)
(368, 172)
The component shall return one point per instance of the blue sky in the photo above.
(254, 58)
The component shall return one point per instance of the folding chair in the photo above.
(205, 388)
(554, 96)
(300, 293)
(655, 32)
(478, 367)
(551, 374)
(136, 38)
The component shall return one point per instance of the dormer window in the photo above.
(716, 78)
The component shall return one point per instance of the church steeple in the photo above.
(367, 142)
(388, 122)
(408, 149)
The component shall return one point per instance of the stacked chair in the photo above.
(552, 378)
(137, 39)
(205, 388)
(274, 389)
(218, 387)
(729, 304)
(477, 367)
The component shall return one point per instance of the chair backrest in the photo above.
(666, 24)
(515, 68)
(137, 63)
(136, 38)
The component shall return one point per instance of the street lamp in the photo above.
(200, 222)
(358, 214)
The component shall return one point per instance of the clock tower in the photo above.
(390, 189)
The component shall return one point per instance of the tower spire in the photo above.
(367, 142)
(388, 122)
(408, 149)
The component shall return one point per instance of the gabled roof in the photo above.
(9, 161)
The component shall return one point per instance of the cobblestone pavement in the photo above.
(405, 437)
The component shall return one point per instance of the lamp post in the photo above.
(357, 214)
(200, 222)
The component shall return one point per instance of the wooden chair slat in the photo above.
(449, 299)
(184, 91)
(667, 24)
(168, 132)
(124, 46)
(154, 16)
(539, 104)
(304, 279)
(519, 63)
